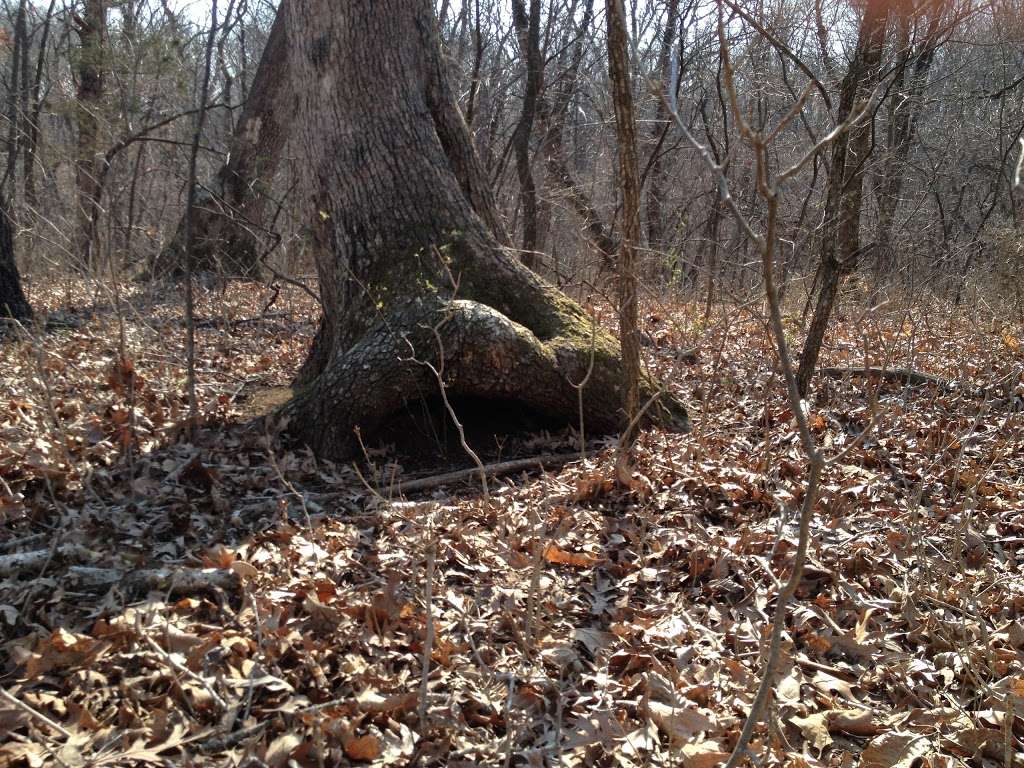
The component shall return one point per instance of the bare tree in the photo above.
(230, 214)
(411, 271)
(840, 228)
(528, 30)
(92, 34)
(629, 181)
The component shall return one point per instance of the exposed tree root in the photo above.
(479, 352)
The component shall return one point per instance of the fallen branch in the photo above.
(216, 322)
(23, 562)
(899, 375)
(549, 461)
(226, 741)
(178, 581)
(23, 541)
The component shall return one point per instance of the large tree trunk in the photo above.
(413, 277)
(12, 300)
(229, 217)
(840, 240)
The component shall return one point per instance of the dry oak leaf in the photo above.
(678, 723)
(373, 702)
(555, 554)
(61, 650)
(818, 727)
(855, 722)
(281, 749)
(703, 754)
(896, 749)
(814, 728)
(363, 748)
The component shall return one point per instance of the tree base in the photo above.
(472, 351)
(224, 244)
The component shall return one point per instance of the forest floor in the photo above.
(219, 599)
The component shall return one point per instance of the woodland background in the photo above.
(181, 590)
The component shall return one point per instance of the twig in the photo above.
(428, 641)
(181, 669)
(226, 741)
(35, 713)
(489, 470)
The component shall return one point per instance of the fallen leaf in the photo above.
(555, 554)
(363, 748)
(281, 749)
(705, 754)
(678, 723)
(814, 728)
(896, 749)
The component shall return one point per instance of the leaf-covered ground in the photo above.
(219, 599)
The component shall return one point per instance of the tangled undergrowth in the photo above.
(220, 600)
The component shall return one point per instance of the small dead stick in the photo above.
(180, 668)
(35, 713)
(428, 640)
(491, 470)
(213, 322)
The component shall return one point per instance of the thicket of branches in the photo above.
(101, 96)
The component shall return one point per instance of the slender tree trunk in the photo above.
(15, 113)
(415, 282)
(551, 115)
(229, 217)
(840, 241)
(528, 31)
(656, 173)
(92, 33)
(907, 101)
(33, 135)
(629, 182)
(12, 299)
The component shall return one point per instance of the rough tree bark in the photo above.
(92, 33)
(411, 268)
(230, 212)
(12, 300)
(15, 110)
(629, 183)
(840, 240)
